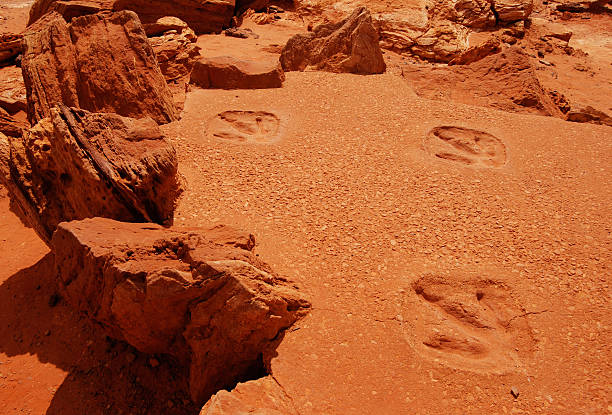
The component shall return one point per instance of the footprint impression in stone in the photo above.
(466, 146)
(469, 323)
(245, 127)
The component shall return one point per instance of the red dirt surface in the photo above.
(458, 258)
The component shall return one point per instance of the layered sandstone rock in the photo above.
(441, 43)
(470, 13)
(475, 53)
(199, 295)
(101, 63)
(76, 164)
(174, 44)
(204, 16)
(348, 46)
(512, 10)
(225, 72)
(261, 396)
(67, 8)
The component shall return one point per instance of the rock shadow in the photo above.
(105, 376)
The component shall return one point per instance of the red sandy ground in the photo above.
(349, 203)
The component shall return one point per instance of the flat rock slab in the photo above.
(197, 294)
(225, 72)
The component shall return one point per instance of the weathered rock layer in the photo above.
(101, 63)
(348, 46)
(198, 295)
(76, 164)
(204, 16)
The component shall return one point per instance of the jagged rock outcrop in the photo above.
(261, 396)
(199, 295)
(101, 62)
(347, 46)
(441, 43)
(440, 32)
(76, 164)
(470, 13)
(204, 16)
(226, 72)
(174, 44)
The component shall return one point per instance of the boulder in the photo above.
(225, 72)
(590, 115)
(474, 13)
(163, 25)
(10, 47)
(441, 43)
(101, 62)
(9, 125)
(197, 294)
(261, 396)
(512, 10)
(478, 52)
(204, 16)
(507, 81)
(175, 48)
(76, 164)
(350, 45)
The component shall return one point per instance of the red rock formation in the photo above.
(348, 46)
(512, 10)
(199, 295)
(257, 396)
(100, 62)
(174, 44)
(67, 8)
(506, 81)
(9, 125)
(478, 52)
(76, 164)
(204, 16)
(225, 72)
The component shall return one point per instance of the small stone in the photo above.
(48, 333)
(515, 392)
(153, 362)
(130, 357)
